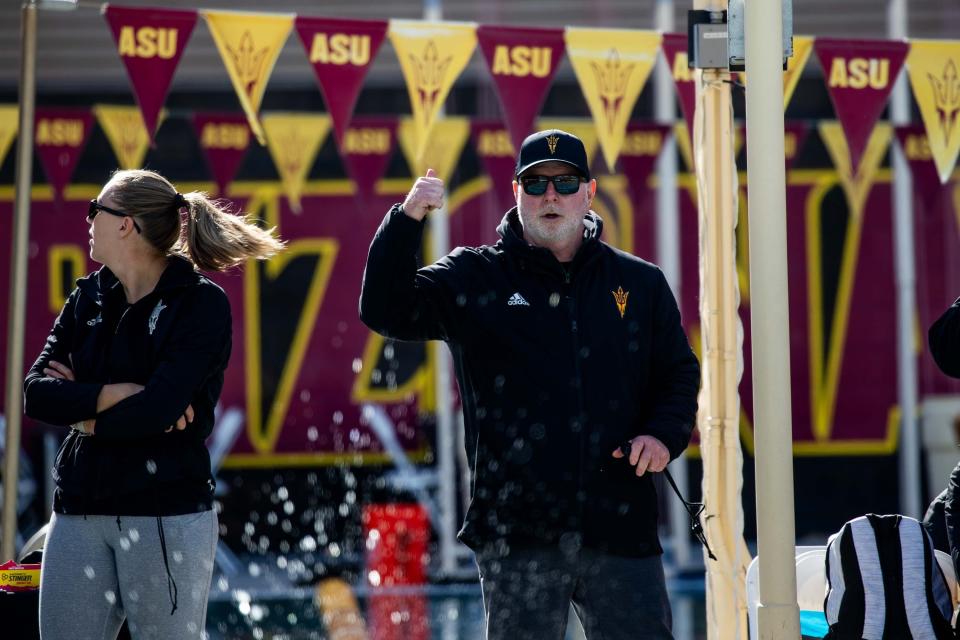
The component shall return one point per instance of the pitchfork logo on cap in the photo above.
(552, 143)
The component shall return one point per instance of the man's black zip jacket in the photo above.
(557, 366)
(175, 342)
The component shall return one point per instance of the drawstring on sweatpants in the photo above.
(171, 583)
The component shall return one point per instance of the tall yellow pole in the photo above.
(18, 279)
(721, 333)
(778, 614)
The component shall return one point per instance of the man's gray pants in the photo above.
(527, 594)
(95, 574)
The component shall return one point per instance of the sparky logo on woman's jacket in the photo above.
(154, 316)
(620, 297)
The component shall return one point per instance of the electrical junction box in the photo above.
(736, 27)
(707, 39)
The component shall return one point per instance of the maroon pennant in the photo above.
(366, 149)
(860, 75)
(59, 137)
(522, 62)
(491, 139)
(341, 52)
(150, 43)
(224, 138)
(674, 47)
(927, 188)
(641, 148)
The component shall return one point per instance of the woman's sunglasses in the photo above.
(537, 185)
(95, 207)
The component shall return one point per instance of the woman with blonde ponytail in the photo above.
(134, 367)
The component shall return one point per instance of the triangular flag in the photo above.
(583, 129)
(926, 179)
(150, 43)
(341, 52)
(611, 65)
(856, 183)
(294, 140)
(860, 75)
(432, 56)
(366, 150)
(495, 150)
(522, 62)
(641, 149)
(224, 138)
(675, 51)
(443, 147)
(126, 133)
(933, 69)
(249, 44)
(802, 48)
(9, 123)
(59, 139)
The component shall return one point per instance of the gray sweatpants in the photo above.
(94, 574)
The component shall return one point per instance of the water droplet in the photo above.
(357, 365)
(308, 544)
(110, 596)
(554, 299)
(89, 572)
(178, 556)
(134, 535)
(305, 395)
(151, 467)
(312, 433)
(288, 508)
(338, 417)
(133, 596)
(125, 544)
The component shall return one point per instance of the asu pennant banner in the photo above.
(432, 56)
(856, 182)
(294, 139)
(150, 43)
(9, 123)
(59, 139)
(860, 76)
(366, 150)
(443, 148)
(932, 66)
(341, 52)
(126, 132)
(224, 138)
(611, 66)
(522, 63)
(493, 145)
(675, 51)
(927, 188)
(249, 44)
(641, 149)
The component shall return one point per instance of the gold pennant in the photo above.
(127, 133)
(611, 66)
(294, 139)
(856, 186)
(432, 56)
(249, 44)
(933, 69)
(9, 123)
(443, 147)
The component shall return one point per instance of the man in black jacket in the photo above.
(565, 349)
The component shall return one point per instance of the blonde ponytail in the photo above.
(213, 238)
(216, 240)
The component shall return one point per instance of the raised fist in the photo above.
(425, 196)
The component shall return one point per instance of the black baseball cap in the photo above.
(553, 145)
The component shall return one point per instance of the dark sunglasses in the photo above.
(95, 207)
(537, 185)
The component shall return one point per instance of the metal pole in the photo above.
(18, 277)
(778, 613)
(910, 499)
(446, 439)
(668, 247)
